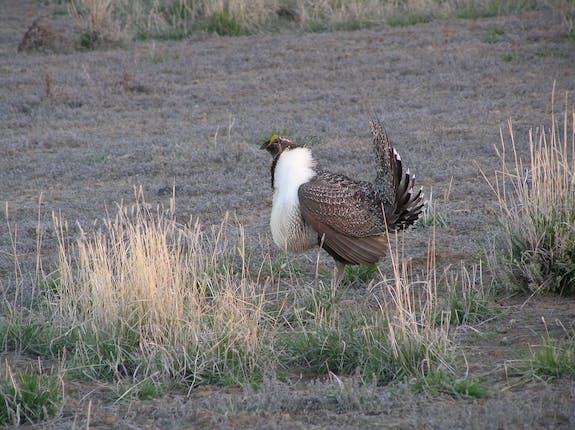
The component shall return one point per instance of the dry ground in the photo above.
(82, 129)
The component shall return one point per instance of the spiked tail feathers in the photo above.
(393, 185)
(387, 176)
(407, 206)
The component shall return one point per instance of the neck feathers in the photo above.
(292, 167)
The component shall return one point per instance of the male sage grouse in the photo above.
(350, 219)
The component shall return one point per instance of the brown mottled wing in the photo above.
(344, 212)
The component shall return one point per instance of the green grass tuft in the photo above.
(316, 26)
(224, 24)
(30, 332)
(494, 35)
(446, 383)
(430, 220)
(284, 267)
(28, 397)
(145, 389)
(552, 359)
(88, 40)
(468, 301)
(507, 58)
(353, 344)
(359, 275)
(408, 18)
(354, 24)
(478, 10)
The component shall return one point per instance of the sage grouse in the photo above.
(350, 219)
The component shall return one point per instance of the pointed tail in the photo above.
(402, 205)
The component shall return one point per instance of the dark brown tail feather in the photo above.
(395, 188)
(388, 174)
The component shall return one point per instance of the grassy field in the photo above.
(139, 283)
(107, 20)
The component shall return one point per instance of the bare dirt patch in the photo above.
(81, 129)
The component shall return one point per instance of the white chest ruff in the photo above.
(289, 230)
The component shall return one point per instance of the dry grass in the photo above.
(103, 19)
(536, 248)
(417, 330)
(565, 8)
(99, 25)
(398, 330)
(144, 300)
(146, 296)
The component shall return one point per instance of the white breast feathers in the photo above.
(290, 232)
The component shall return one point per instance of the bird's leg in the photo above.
(338, 272)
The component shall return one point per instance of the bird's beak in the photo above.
(265, 145)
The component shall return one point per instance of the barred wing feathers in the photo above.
(347, 217)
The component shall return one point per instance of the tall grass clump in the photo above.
(98, 21)
(392, 334)
(144, 296)
(417, 339)
(535, 249)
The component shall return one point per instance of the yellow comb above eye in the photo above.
(274, 139)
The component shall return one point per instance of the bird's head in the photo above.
(277, 144)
